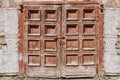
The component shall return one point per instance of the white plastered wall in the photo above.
(111, 58)
(9, 56)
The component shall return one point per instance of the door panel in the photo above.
(79, 46)
(61, 40)
(43, 25)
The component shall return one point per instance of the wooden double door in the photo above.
(61, 40)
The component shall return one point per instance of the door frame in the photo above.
(22, 63)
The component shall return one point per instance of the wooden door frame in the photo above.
(22, 64)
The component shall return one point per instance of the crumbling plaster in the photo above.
(111, 58)
(9, 56)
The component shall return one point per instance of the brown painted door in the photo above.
(61, 40)
(79, 49)
(42, 27)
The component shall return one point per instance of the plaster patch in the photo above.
(9, 57)
(111, 59)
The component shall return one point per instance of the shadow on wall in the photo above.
(3, 43)
(117, 44)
